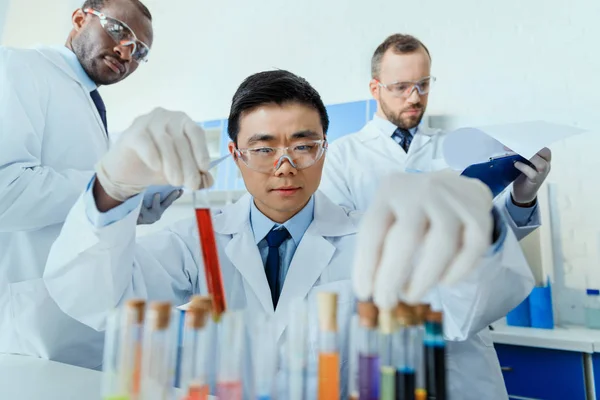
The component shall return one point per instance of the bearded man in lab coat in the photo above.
(285, 239)
(53, 129)
(395, 140)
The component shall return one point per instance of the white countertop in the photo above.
(570, 338)
(30, 378)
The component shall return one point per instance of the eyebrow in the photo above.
(265, 137)
(306, 134)
(260, 137)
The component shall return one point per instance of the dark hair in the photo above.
(268, 87)
(400, 44)
(99, 4)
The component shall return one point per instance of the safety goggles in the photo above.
(123, 35)
(405, 89)
(269, 159)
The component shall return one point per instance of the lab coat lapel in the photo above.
(380, 141)
(243, 253)
(312, 256)
(55, 58)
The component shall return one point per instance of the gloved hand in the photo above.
(421, 230)
(149, 215)
(526, 186)
(162, 147)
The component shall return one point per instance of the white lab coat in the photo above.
(91, 270)
(355, 165)
(50, 138)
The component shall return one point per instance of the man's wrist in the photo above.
(523, 205)
(103, 201)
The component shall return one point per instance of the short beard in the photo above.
(396, 118)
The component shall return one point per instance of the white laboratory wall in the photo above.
(3, 13)
(495, 61)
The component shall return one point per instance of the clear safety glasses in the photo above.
(405, 89)
(123, 35)
(269, 159)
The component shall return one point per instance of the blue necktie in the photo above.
(403, 138)
(100, 106)
(274, 239)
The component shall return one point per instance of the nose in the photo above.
(414, 96)
(125, 51)
(285, 167)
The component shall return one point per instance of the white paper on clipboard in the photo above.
(467, 146)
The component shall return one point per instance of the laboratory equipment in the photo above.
(353, 361)
(158, 352)
(368, 352)
(122, 352)
(387, 327)
(210, 255)
(435, 357)
(194, 360)
(329, 358)
(297, 347)
(231, 340)
(265, 357)
(592, 309)
(404, 353)
(417, 337)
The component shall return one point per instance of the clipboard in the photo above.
(497, 173)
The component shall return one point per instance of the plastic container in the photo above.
(592, 309)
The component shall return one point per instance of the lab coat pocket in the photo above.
(45, 331)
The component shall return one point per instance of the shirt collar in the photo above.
(75, 65)
(387, 127)
(296, 226)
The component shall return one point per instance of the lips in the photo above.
(115, 65)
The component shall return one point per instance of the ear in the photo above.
(78, 19)
(374, 88)
(231, 148)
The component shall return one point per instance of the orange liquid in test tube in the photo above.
(329, 376)
(198, 392)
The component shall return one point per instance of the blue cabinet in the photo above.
(537, 373)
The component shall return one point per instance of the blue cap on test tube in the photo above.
(593, 292)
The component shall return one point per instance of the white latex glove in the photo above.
(151, 214)
(526, 186)
(421, 230)
(162, 147)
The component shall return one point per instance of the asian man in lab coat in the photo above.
(285, 239)
(53, 129)
(396, 140)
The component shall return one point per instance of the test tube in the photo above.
(210, 255)
(110, 365)
(435, 357)
(329, 357)
(157, 353)
(418, 336)
(194, 357)
(265, 357)
(387, 328)
(296, 346)
(231, 337)
(404, 354)
(132, 324)
(353, 354)
(368, 352)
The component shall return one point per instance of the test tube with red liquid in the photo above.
(231, 349)
(210, 254)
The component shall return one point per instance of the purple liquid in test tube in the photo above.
(368, 377)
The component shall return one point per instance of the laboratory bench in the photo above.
(549, 364)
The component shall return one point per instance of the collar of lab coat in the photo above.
(67, 61)
(296, 226)
(387, 127)
(372, 132)
(330, 220)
